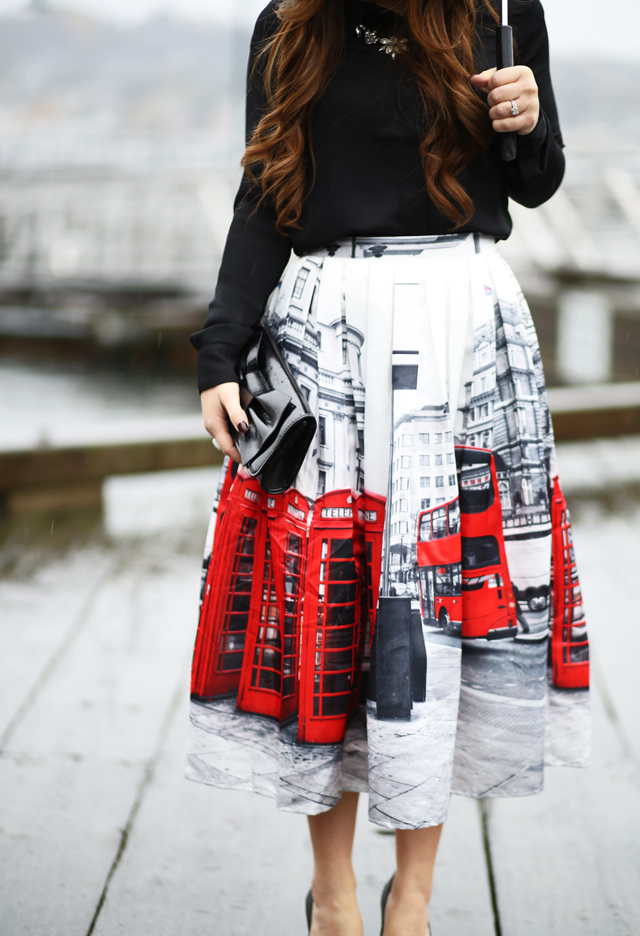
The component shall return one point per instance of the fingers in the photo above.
(513, 84)
(506, 76)
(510, 83)
(230, 399)
(216, 422)
(481, 80)
(220, 405)
(504, 122)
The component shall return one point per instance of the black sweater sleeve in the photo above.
(539, 167)
(254, 257)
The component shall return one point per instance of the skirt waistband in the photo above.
(465, 244)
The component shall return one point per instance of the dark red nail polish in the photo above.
(242, 427)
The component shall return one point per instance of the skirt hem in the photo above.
(497, 794)
(197, 776)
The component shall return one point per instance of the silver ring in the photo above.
(216, 444)
(515, 110)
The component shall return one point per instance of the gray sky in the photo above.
(576, 27)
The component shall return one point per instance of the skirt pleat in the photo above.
(407, 619)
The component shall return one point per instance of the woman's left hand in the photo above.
(510, 84)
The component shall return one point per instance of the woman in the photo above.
(383, 626)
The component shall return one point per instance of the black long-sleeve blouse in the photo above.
(369, 178)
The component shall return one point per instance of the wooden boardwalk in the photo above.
(100, 834)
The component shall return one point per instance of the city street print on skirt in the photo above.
(406, 620)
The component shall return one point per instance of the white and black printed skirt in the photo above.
(407, 619)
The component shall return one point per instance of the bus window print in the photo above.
(438, 554)
(569, 642)
(333, 609)
(488, 603)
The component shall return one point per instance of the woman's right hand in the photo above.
(221, 405)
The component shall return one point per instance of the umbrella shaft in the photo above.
(504, 59)
(504, 47)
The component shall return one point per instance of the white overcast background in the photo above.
(576, 27)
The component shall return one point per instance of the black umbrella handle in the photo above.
(504, 59)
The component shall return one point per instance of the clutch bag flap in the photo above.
(281, 424)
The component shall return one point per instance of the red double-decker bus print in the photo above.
(465, 587)
(489, 607)
(439, 572)
(569, 642)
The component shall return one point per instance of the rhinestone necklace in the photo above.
(392, 47)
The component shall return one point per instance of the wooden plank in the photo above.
(177, 503)
(461, 904)
(65, 479)
(73, 768)
(203, 861)
(53, 498)
(595, 411)
(39, 623)
(567, 861)
(600, 469)
(233, 861)
(596, 423)
(38, 467)
(607, 549)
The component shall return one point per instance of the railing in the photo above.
(96, 231)
(65, 473)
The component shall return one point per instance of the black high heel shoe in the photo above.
(386, 890)
(308, 904)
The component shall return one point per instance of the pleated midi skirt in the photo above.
(407, 619)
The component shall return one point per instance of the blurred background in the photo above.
(121, 130)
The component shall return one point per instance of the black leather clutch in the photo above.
(281, 425)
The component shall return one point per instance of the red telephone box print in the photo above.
(569, 641)
(224, 615)
(331, 650)
(288, 516)
(225, 488)
(219, 509)
(374, 510)
(293, 584)
(268, 685)
(261, 681)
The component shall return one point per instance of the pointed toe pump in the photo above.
(309, 908)
(386, 890)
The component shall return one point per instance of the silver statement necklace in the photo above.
(392, 46)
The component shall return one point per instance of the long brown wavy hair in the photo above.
(300, 58)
